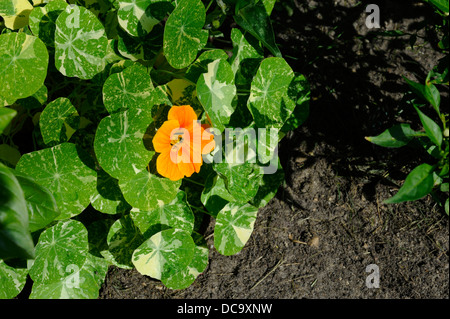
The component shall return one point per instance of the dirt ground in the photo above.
(327, 222)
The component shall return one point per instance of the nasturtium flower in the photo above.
(181, 142)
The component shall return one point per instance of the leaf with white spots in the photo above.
(23, 65)
(234, 226)
(216, 91)
(80, 283)
(60, 249)
(147, 191)
(185, 277)
(58, 121)
(273, 95)
(119, 144)
(15, 13)
(123, 238)
(177, 214)
(62, 170)
(241, 180)
(80, 43)
(165, 253)
(130, 88)
(13, 280)
(107, 197)
(36, 100)
(138, 17)
(43, 20)
(201, 64)
(183, 34)
(215, 195)
(247, 55)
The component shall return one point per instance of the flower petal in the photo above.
(184, 114)
(167, 168)
(161, 140)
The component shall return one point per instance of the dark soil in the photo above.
(327, 222)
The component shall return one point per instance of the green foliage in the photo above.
(97, 79)
(426, 178)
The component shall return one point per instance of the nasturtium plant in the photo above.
(143, 129)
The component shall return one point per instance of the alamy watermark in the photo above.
(373, 279)
(373, 19)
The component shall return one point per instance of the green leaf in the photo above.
(184, 278)
(58, 121)
(107, 197)
(440, 4)
(177, 214)
(6, 116)
(164, 254)
(273, 94)
(216, 91)
(446, 206)
(234, 226)
(123, 238)
(242, 180)
(60, 249)
(252, 16)
(246, 58)
(138, 17)
(268, 187)
(146, 191)
(215, 195)
(397, 136)
(62, 170)
(201, 64)
(130, 88)
(428, 92)
(301, 111)
(119, 144)
(15, 238)
(36, 100)
(418, 184)
(183, 34)
(15, 13)
(142, 48)
(41, 203)
(13, 280)
(43, 20)
(80, 43)
(80, 283)
(433, 130)
(269, 4)
(23, 65)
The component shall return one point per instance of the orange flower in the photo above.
(181, 140)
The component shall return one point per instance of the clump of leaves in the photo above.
(85, 86)
(434, 138)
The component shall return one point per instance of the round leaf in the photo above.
(130, 88)
(183, 33)
(177, 214)
(23, 65)
(138, 17)
(43, 20)
(164, 253)
(62, 171)
(13, 280)
(272, 96)
(58, 121)
(146, 191)
(184, 278)
(119, 145)
(123, 238)
(234, 225)
(216, 91)
(15, 13)
(81, 283)
(60, 249)
(80, 43)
